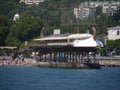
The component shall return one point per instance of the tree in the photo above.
(114, 44)
(6, 6)
(4, 29)
(51, 14)
(25, 29)
(116, 16)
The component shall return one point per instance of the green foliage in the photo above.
(117, 16)
(4, 29)
(6, 6)
(51, 14)
(24, 30)
(113, 44)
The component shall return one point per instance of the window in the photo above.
(118, 33)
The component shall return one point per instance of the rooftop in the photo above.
(64, 36)
(114, 28)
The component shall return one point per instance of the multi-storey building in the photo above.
(30, 2)
(100, 3)
(84, 12)
(108, 8)
(81, 12)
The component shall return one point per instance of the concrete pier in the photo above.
(67, 65)
(109, 63)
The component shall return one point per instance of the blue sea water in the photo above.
(31, 78)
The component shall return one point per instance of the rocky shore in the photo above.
(31, 62)
(24, 62)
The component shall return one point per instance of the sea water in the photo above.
(32, 78)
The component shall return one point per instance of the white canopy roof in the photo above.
(114, 28)
(90, 42)
(79, 36)
(71, 36)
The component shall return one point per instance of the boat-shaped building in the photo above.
(74, 40)
(70, 48)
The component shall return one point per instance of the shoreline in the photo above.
(34, 63)
(15, 63)
(109, 63)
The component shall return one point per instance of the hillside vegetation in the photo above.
(50, 14)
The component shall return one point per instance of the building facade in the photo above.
(108, 8)
(114, 33)
(30, 2)
(81, 12)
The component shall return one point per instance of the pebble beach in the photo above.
(8, 61)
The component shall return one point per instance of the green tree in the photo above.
(6, 6)
(116, 16)
(25, 29)
(113, 44)
(4, 29)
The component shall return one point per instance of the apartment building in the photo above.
(30, 2)
(84, 12)
(108, 8)
(81, 12)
